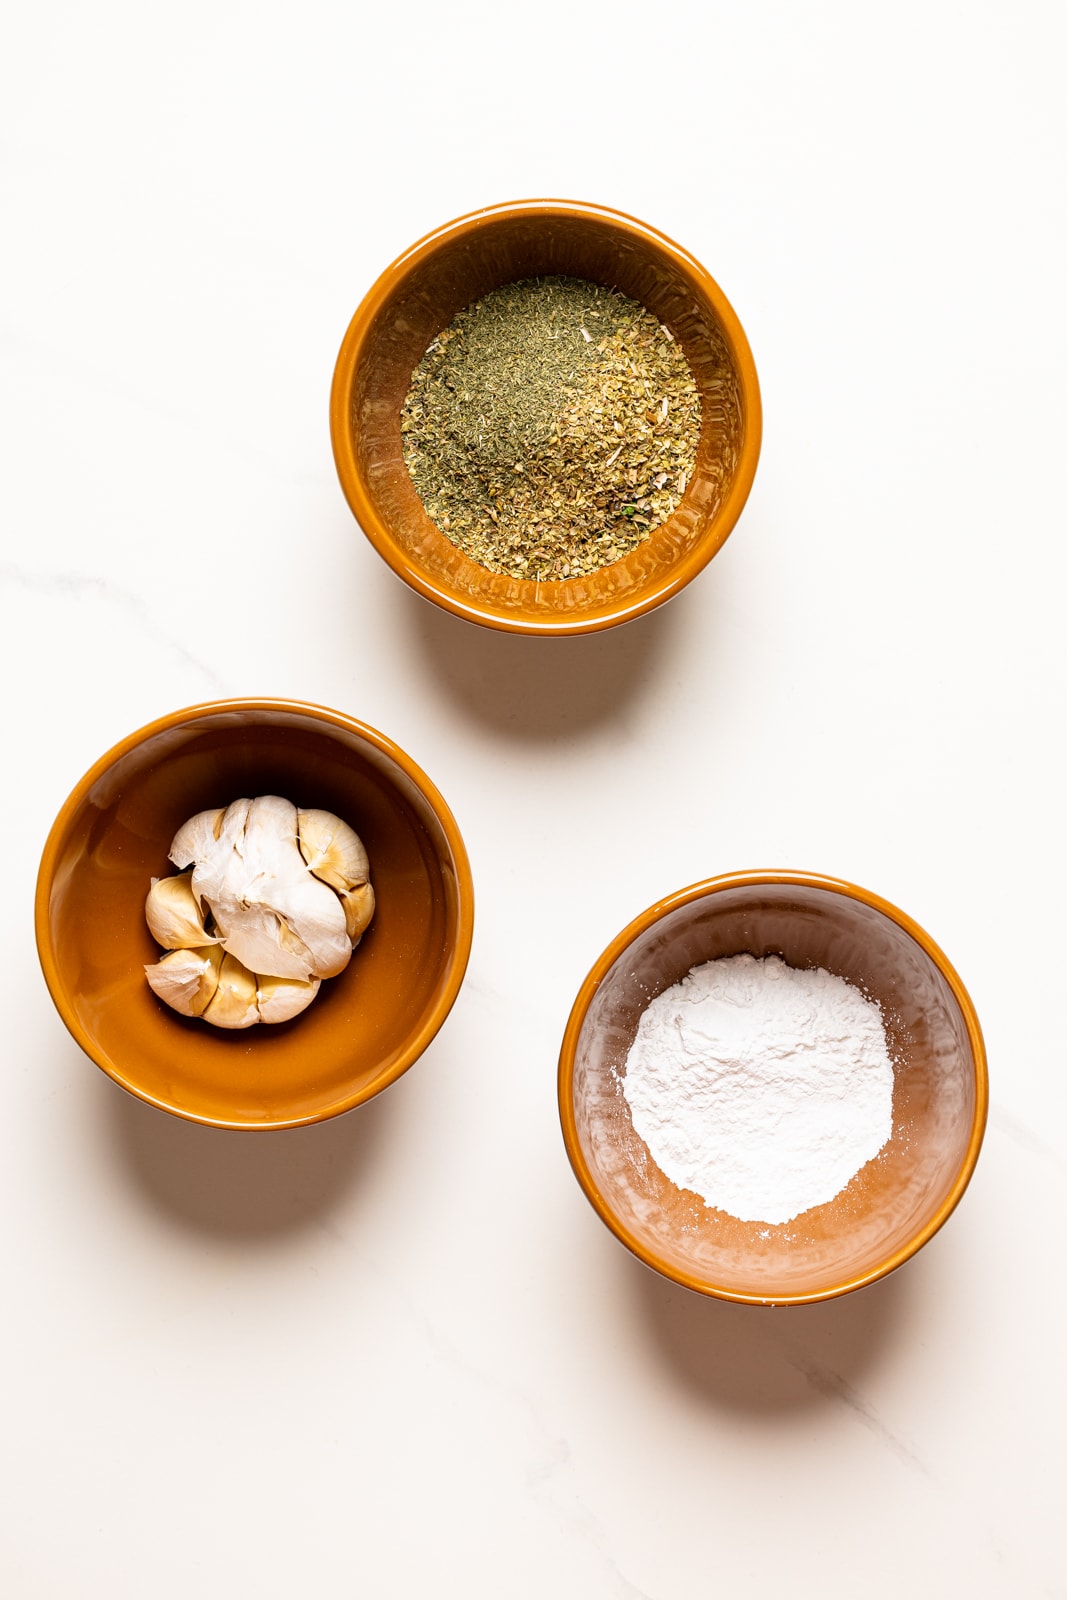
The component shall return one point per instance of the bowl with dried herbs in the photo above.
(254, 913)
(545, 417)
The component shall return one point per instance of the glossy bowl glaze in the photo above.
(895, 1203)
(420, 294)
(366, 1026)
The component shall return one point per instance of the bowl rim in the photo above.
(378, 532)
(767, 878)
(317, 713)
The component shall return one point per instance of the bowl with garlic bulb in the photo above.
(254, 913)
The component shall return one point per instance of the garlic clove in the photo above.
(195, 838)
(333, 851)
(233, 1005)
(358, 907)
(173, 916)
(279, 999)
(186, 980)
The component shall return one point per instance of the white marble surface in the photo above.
(398, 1355)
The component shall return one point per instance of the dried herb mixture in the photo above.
(550, 427)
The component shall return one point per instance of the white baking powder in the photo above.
(761, 1087)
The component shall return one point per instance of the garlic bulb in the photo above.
(286, 895)
(269, 910)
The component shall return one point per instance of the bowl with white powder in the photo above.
(773, 1087)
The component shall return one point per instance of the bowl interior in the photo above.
(421, 296)
(889, 1202)
(365, 1025)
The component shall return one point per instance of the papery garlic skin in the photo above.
(279, 999)
(195, 837)
(186, 980)
(174, 919)
(308, 908)
(269, 910)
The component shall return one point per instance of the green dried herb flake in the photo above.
(540, 451)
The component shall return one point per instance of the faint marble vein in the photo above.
(542, 1476)
(555, 1453)
(488, 998)
(833, 1387)
(73, 585)
(1025, 1136)
(113, 385)
(628, 1590)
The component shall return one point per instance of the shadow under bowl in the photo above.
(366, 1026)
(895, 1203)
(458, 264)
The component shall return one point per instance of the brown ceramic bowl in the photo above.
(895, 1203)
(366, 1026)
(420, 294)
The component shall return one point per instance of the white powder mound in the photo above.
(762, 1088)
